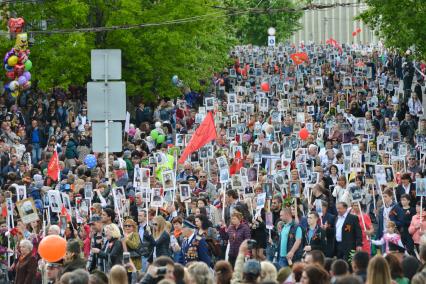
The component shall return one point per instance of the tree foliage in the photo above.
(251, 28)
(400, 23)
(150, 55)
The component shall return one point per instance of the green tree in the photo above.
(151, 55)
(400, 23)
(251, 27)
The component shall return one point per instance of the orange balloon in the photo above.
(303, 134)
(52, 248)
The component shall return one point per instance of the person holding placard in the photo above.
(365, 224)
(417, 225)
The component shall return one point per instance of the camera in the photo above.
(251, 244)
(161, 271)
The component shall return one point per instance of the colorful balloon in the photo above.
(13, 85)
(90, 161)
(13, 60)
(154, 134)
(15, 94)
(161, 138)
(8, 68)
(175, 80)
(28, 65)
(22, 80)
(265, 86)
(52, 248)
(303, 134)
(19, 69)
(10, 75)
(353, 34)
(27, 75)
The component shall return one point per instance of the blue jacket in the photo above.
(396, 215)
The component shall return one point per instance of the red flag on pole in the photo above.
(53, 167)
(205, 133)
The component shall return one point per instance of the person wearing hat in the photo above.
(73, 259)
(194, 246)
(192, 180)
(97, 241)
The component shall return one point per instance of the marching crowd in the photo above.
(315, 175)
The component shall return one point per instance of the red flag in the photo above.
(205, 133)
(4, 211)
(53, 167)
(299, 58)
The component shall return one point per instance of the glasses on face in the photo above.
(202, 176)
(154, 224)
(128, 226)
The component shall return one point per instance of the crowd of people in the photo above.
(316, 175)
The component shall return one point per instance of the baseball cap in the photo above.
(252, 267)
(95, 218)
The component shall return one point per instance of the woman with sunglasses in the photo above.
(161, 239)
(132, 242)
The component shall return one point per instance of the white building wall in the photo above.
(338, 23)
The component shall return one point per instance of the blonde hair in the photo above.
(161, 226)
(268, 272)
(117, 275)
(115, 231)
(378, 271)
(200, 273)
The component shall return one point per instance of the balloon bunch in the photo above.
(18, 66)
(157, 137)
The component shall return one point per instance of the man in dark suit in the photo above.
(348, 235)
(194, 246)
(233, 203)
(406, 187)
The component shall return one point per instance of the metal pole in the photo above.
(106, 119)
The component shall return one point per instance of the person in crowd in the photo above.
(194, 246)
(378, 271)
(73, 259)
(339, 269)
(235, 233)
(161, 238)
(132, 242)
(390, 211)
(359, 264)
(314, 274)
(26, 265)
(315, 235)
(290, 247)
(232, 201)
(223, 272)
(97, 242)
(200, 273)
(409, 213)
(112, 251)
(396, 269)
(417, 225)
(348, 232)
(365, 224)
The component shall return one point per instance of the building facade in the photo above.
(338, 23)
